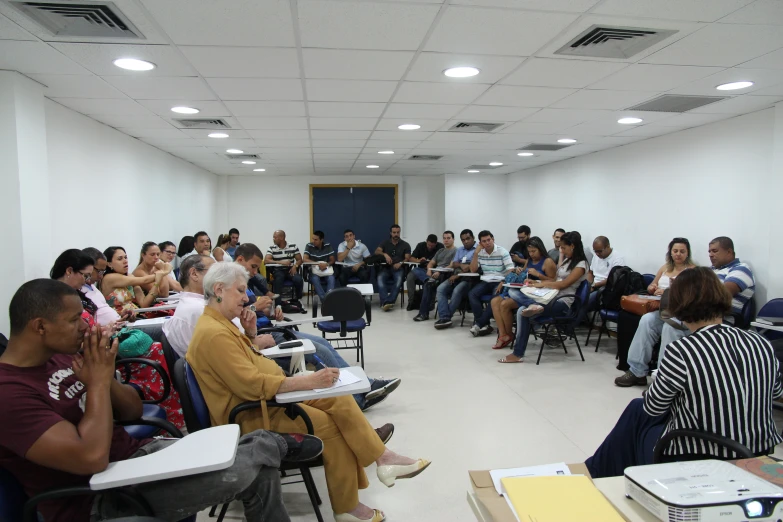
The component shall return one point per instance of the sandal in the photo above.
(505, 360)
(502, 344)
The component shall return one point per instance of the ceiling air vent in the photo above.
(470, 126)
(613, 42)
(243, 156)
(544, 146)
(202, 123)
(676, 103)
(80, 19)
(424, 157)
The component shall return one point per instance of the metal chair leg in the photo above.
(560, 336)
(222, 512)
(590, 329)
(212, 511)
(600, 333)
(307, 478)
(540, 352)
(579, 347)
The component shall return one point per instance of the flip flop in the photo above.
(506, 361)
(532, 310)
(502, 345)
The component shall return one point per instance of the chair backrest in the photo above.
(168, 352)
(582, 296)
(742, 452)
(648, 279)
(194, 407)
(744, 318)
(12, 497)
(772, 308)
(344, 304)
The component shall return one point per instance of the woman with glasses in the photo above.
(74, 268)
(124, 292)
(168, 254)
(149, 263)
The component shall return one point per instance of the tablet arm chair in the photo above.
(663, 443)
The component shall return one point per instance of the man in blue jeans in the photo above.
(318, 251)
(495, 263)
(452, 291)
(395, 251)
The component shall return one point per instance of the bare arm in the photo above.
(733, 288)
(125, 402)
(575, 274)
(474, 264)
(217, 253)
(654, 285)
(113, 281)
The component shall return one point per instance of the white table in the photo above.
(363, 386)
(296, 354)
(161, 308)
(211, 449)
(148, 322)
(364, 288)
(763, 326)
(468, 274)
(302, 321)
(442, 269)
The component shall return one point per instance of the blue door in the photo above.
(332, 212)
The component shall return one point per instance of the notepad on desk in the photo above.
(345, 379)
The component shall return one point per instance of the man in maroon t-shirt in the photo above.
(57, 405)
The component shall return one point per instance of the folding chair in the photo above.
(564, 323)
(742, 452)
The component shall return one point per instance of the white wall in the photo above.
(423, 207)
(480, 203)
(107, 188)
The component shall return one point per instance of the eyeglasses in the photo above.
(87, 276)
(171, 252)
(101, 272)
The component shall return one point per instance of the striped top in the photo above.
(498, 262)
(722, 380)
(287, 253)
(741, 275)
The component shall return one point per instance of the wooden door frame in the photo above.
(395, 186)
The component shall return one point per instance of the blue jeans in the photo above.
(283, 274)
(450, 296)
(316, 281)
(389, 277)
(523, 325)
(630, 443)
(520, 298)
(481, 315)
(416, 274)
(651, 330)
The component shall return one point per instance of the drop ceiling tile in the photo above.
(567, 116)
(345, 110)
(429, 67)
(76, 86)
(256, 88)
(154, 133)
(421, 110)
(350, 90)
(690, 120)
(267, 108)
(161, 87)
(343, 123)
(721, 45)
(363, 25)
(695, 10)
(391, 124)
(168, 142)
(651, 77)
(523, 96)
(340, 134)
(393, 136)
(440, 93)
(573, 6)
(551, 72)
(273, 123)
(342, 64)
(648, 131)
(233, 134)
(238, 140)
(461, 137)
(103, 106)
(775, 90)
(598, 128)
(335, 149)
(603, 99)
(495, 31)
(739, 104)
(99, 58)
(207, 108)
(342, 144)
(9, 30)
(491, 113)
(773, 60)
(525, 127)
(144, 120)
(279, 134)
(384, 144)
(762, 12)
(327, 158)
(243, 62)
(36, 58)
(239, 22)
(274, 143)
(762, 78)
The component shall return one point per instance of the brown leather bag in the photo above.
(639, 304)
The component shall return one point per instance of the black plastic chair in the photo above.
(564, 323)
(347, 306)
(741, 451)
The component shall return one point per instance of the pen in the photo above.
(319, 361)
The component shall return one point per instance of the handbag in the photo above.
(133, 343)
(639, 304)
(513, 278)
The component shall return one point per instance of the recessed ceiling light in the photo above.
(248, 162)
(185, 110)
(259, 170)
(217, 135)
(235, 151)
(733, 86)
(372, 166)
(409, 126)
(461, 72)
(385, 152)
(566, 140)
(474, 171)
(525, 154)
(495, 164)
(132, 64)
(629, 121)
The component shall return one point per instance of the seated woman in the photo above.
(230, 371)
(719, 379)
(124, 292)
(74, 268)
(149, 263)
(678, 258)
(186, 246)
(219, 252)
(168, 253)
(570, 273)
(539, 267)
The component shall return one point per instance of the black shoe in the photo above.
(628, 379)
(410, 307)
(385, 432)
(442, 324)
(381, 387)
(623, 367)
(485, 330)
(302, 448)
(419, 318)
(369, 403)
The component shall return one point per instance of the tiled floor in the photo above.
(461, 409)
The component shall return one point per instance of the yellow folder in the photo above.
(558, 499)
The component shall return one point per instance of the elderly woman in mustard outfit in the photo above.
(229, 371)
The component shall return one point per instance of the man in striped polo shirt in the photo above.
(495, 263)
(287, 255)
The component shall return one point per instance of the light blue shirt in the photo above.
(357, 254)
(463, 255)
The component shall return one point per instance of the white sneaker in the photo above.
(474, 330)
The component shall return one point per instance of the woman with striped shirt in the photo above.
(719, 379)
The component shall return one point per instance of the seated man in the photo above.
(738, 279)
(554, 254)
(519, 249)
(442, 259)
(323, 272)
(605, 259)
(286, 254)
(422, 254)
(56, 434)
(395, 251)
(233, 242)
(201, 245)
(495, 263)
(453, 290)
(352, 253)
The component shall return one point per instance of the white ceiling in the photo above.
(320, 86)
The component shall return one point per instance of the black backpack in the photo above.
(622, 281)
(293, 306)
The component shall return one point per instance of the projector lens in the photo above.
(755, 509)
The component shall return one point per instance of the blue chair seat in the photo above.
(350, 326)
(610, 315)
(142, 431)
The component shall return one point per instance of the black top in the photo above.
(421, 251)
(396, 252)
(520, 249)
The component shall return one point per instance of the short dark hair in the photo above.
(233, 231)
(198, 235)
(449, 232)
(724, 242)
(347, 230)
(164, 245)
(319, 233)
(195, 261)
(394, 226)
(109, 255)
(485, 233)
(524, 229)
(432, 238)
(466, 231)
(37, 298)
(559, 230)
(248, 251)
(535, 242)
(73, 258)
(94, 253)
(698, 295)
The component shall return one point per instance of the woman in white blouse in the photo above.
(678, 258)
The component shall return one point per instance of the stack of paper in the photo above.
(345, 379)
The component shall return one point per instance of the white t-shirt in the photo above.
(563, 272)
(601, 267)
(179, 329)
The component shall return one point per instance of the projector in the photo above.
(703, 491)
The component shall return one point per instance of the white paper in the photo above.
(345, 379)
(147, 322)
(492, 278)
(547, 470)
(651, 297)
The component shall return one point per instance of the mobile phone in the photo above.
(289, 344)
